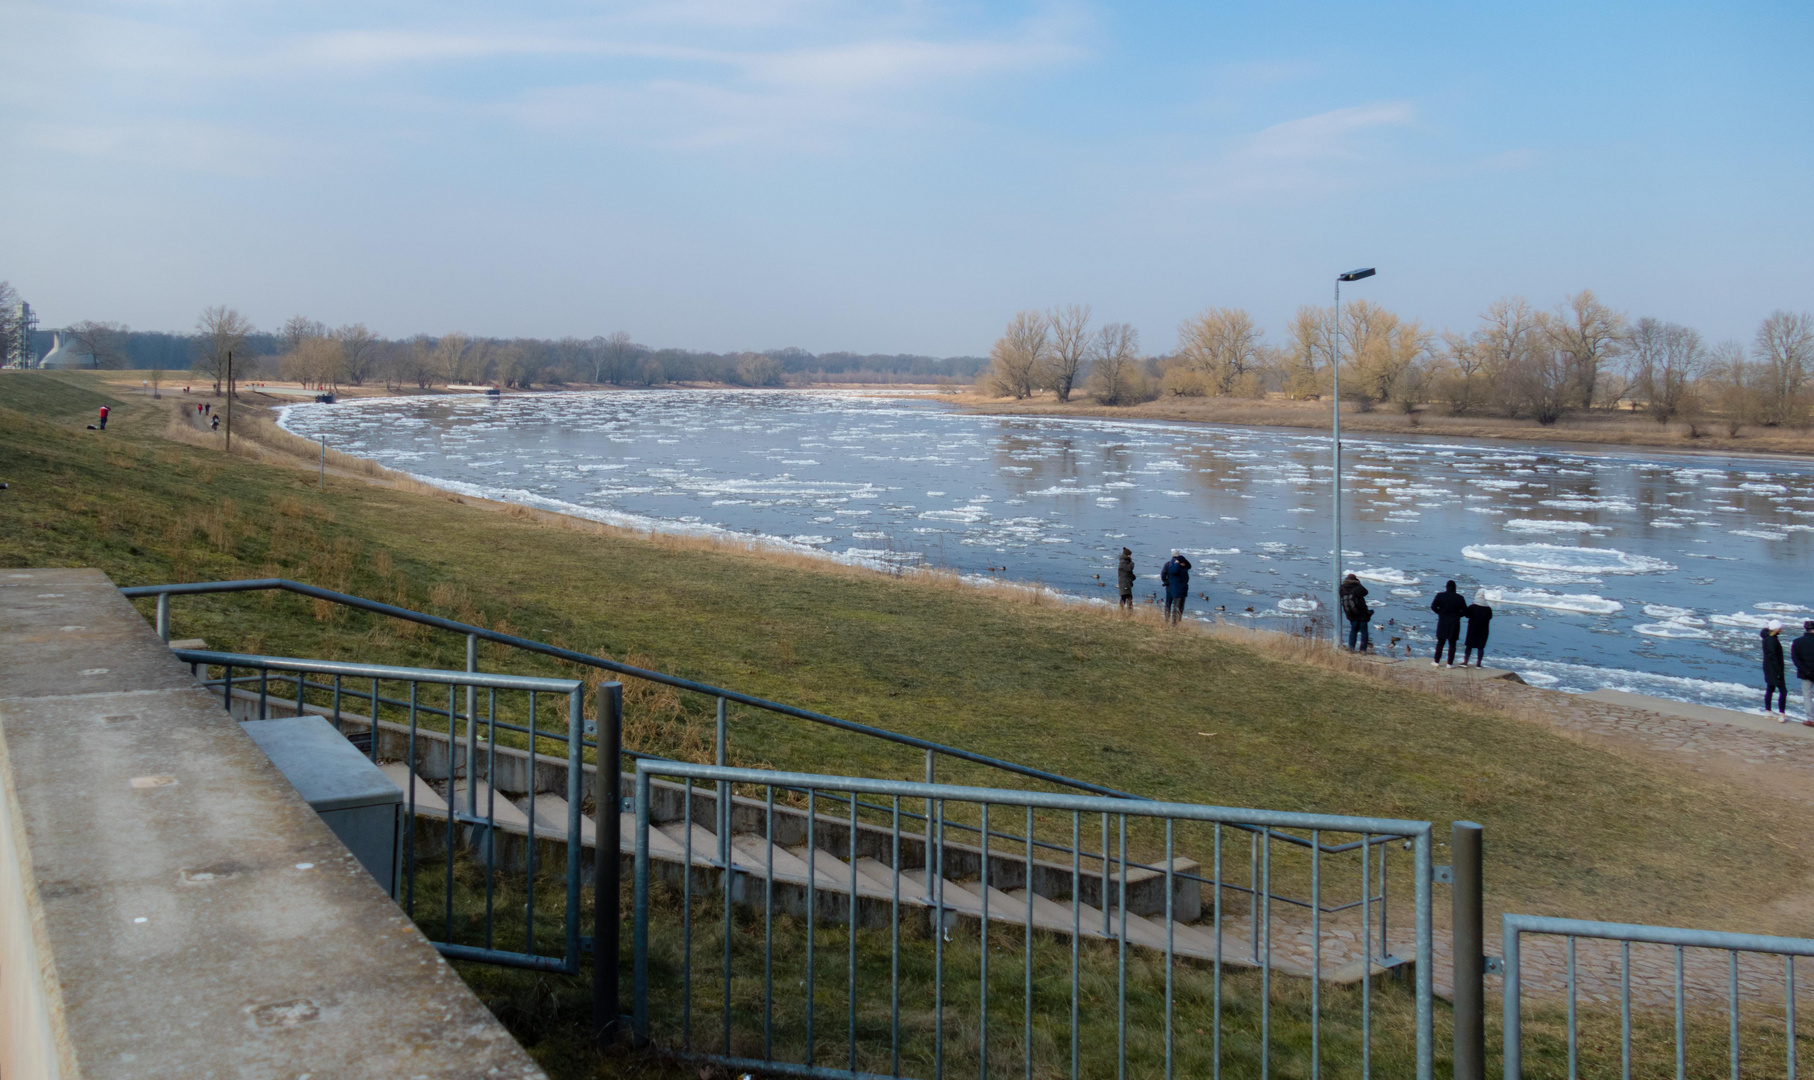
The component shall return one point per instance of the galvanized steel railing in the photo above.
(746, 1003)
(463, 808)
(1626, 934)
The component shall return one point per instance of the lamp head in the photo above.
(1356, 275)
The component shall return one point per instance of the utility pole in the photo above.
(1335, 351)
(230, 402)
(324, 486)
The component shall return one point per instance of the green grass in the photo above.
(1571, 828)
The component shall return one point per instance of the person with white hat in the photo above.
(1773, 669)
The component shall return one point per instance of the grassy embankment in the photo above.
(1596, 428)
(1574, 829)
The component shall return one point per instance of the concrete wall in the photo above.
(189, 914)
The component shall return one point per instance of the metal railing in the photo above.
(768, 1015)
(1514, 927)
(1376, 899)
(255, 681)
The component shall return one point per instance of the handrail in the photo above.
(380, 671)
(531, 645)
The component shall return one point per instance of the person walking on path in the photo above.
(1354, 607)
(214, 425)
(1124, 578)
(103, 418)
(1176, 577)
(1801, 651)
(1449, 607)
(1478, 616)
(1773, 669)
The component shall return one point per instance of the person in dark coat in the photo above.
(1801, 651)
(1353, 596)
(1449, 607)
(1478, 616)
(1773, 669)
(1124, 578)
(1176, 576)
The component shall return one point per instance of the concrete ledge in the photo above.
(190, 915)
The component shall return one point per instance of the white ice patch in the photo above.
(1565, 560)
(1583, 503)
(1777, 606)
(1741, 620)
(1671, 629)
(1671, 614)
(1579, 678)
(809, 541)
(1758, 534)
(1298, 605)
(1540, 525)
(1578, 603)
(1386, 575)
(1407, 592)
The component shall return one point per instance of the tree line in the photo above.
(1517, 361)
(309, 351)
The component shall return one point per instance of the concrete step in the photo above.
(494, 805)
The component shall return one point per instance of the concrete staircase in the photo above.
(997, 887)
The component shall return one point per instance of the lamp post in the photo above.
(1335, 367)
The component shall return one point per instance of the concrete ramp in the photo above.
(169, 906)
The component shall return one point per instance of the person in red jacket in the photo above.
(103, 418)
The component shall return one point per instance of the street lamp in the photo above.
(1335, 349)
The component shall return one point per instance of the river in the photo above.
(1646, 571)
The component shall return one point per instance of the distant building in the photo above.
(66, 352)
(17, 350)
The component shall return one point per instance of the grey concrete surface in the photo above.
(194, 916)
(1755, 721)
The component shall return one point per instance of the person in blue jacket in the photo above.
(1449, 607)
(1176, 577)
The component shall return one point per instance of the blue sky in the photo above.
(728, 174)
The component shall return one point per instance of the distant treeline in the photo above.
(312, 352)
(1517, 361)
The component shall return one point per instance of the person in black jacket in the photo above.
(1176, 576)
(1124, 578)
(1354, 607)
(1449, 607)
(1478, 615)
(1802, 653)
(1773, 669)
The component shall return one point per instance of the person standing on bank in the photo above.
(1449, 607)
(103, 418)
(1478, 616)
(1124, 578)
(1176, 577)
(1354, 607)
(1802, 653)
(1773, 669)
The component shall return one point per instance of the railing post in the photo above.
(163, 616)
(607, 813)
(1469, 951)
(1514, 1020)
(1426, 1038)
(472, 730)
(724, 792)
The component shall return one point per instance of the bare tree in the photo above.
(1386, 357)
(452, 354)
(1785, 355)
(318, 360)
(222, 330)
(104, 342)
(1666, 358)
(1019, 354)
(299, 328)
(614, 358)
(1115, 375)
(1304, 360)
(1588, 335)
(1732, 386)
(360, 348)
(1069, 355)
(1542, 380)
(1221, 345)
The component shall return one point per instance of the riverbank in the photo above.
(1600, 429)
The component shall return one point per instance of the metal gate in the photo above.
(850, 927)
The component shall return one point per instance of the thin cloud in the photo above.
(1312, 155)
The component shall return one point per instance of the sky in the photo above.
(898, 177)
